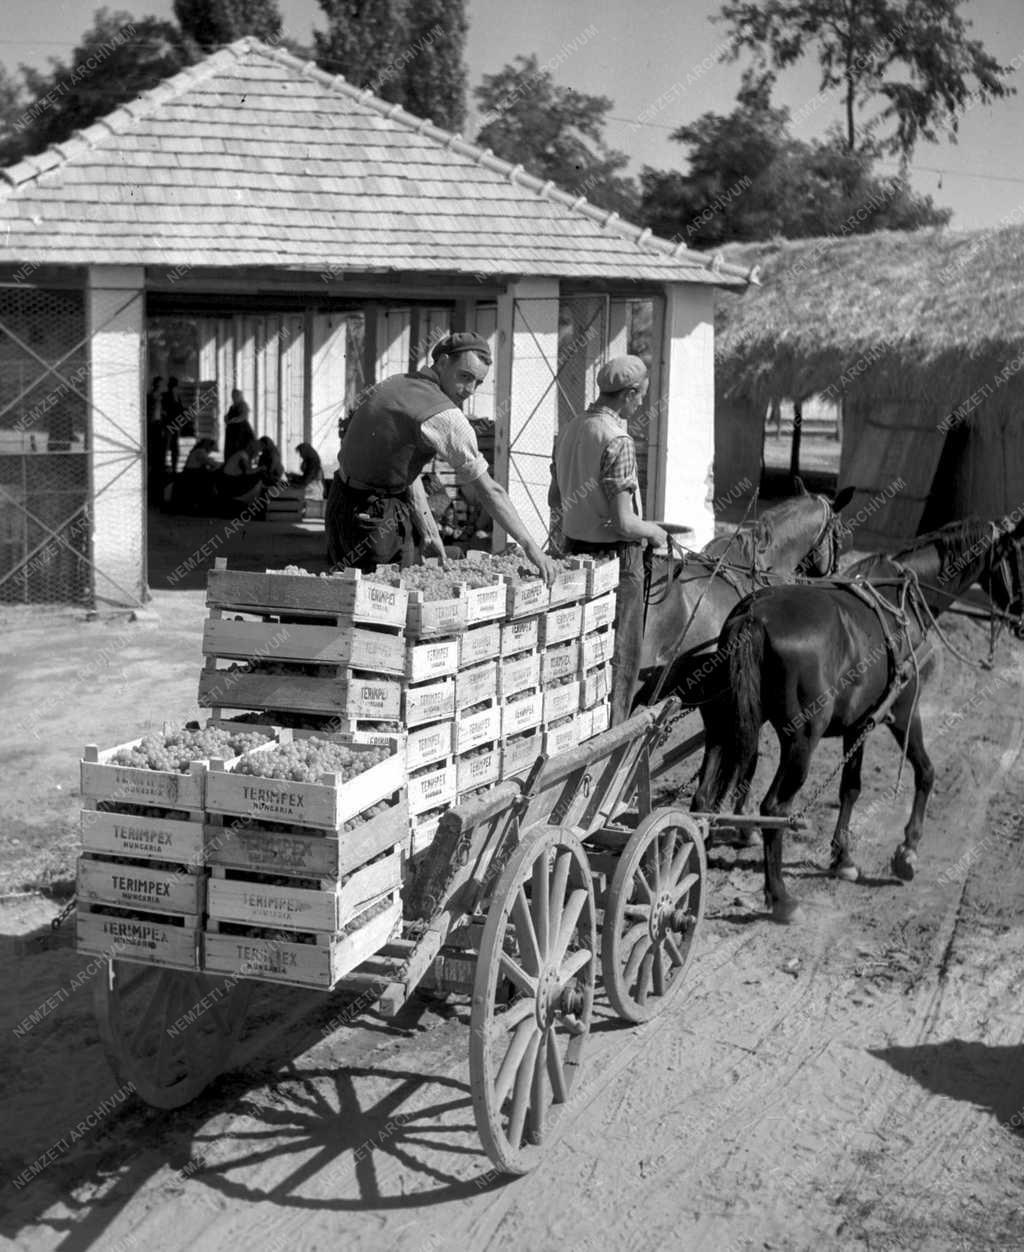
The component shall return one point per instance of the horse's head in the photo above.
(1003, 579)
(822, 558)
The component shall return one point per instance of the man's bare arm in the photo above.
(495, 500)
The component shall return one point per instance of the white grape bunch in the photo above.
(175, 750)
(304, 760)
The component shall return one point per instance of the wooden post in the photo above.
(794, 453)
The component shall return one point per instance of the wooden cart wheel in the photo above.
(532, 996)
(654, 906)
(167, 1031)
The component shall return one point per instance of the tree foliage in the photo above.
(213, 23)
(434, 75)
(910, 61)
(116, 60)
(554, 132)
(750, 179)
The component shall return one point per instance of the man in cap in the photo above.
(596, 493)
(377, 511)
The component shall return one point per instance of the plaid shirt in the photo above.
(618, 467)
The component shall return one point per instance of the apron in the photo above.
(367, 528)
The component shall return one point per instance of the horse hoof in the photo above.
(904, 862)
(786, 912)
(848, 873)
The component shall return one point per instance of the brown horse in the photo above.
(835, 659)
(691, 598)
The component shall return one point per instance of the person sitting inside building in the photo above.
(311, 472)
(269, 463)
(241, 480)
(195, 488)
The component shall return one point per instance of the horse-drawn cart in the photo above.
(524, 895)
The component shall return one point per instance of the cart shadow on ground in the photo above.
(990, 1076)
(330, 1135)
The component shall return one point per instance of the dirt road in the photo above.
(855, 1081)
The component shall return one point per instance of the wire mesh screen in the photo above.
(582, 344)
(44, 438)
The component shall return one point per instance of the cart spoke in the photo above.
(574, 963)
(556, 1071)
(539, 903)
(525, 1031)
(636, 912)
(538, 1094)
(559, 881)
(690, 881)
(659, 969)
(673, 950)
(635, 957)
(515, 973)
(523, 1090)
(570, 918)
(679, 861)
(668, 855)
(644, 978)
(525, 934)
(641, 881)
(634, 935)
(517, 1012)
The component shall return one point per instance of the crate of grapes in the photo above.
(525, 593)
(479, 643)
(348, 596)
(340, 649)
(276, 687)
(602, 575)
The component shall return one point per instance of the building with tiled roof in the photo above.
(255, 222)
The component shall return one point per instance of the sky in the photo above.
(658, 60)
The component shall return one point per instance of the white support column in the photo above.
(687, 411)
(116, 325)
(526, 400)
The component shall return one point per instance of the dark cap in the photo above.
(462, 341)
(619, 373)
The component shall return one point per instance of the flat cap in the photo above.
(462, 341)
(619, 373)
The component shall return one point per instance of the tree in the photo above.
(213, 23)
(434, 74)
(913, 58)
(750, 179)
(554, 132)
(117, 59)
(12, 109)
(363, 41)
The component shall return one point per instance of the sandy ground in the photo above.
(855, 1081)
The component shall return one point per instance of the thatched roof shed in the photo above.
(920, 339)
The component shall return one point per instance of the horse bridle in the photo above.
(833, 529)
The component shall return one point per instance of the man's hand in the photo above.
(548, 569)
(434, 546)
(655, 536)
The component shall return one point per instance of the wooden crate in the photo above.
(242, 846)
(423, 831)
(320, 964)
(125, 784)
(522, 714)
(570, 584)
(477, 769)
(426, 618)
(561, 624)
(324, 805)
(519, 752)
(525, 599)
(431, 788)
(428, 744)
(473, 729)
(429, 702)
(560, 661)
(355, 697)
(595, 686)
(138, 885)
(563, 737)
(286, 505)
(486, 604)
(601, 575)
(519, 673)
(250, 899)
(520, 636)
(561, 701)
(480, 643)
(381, 652)
(349, 595)
(476, 684)
(594, 721)
(149, 938)
(436, 658)
(141, 837)
(598, 613)
(597, 648)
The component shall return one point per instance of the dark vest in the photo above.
(384, 446)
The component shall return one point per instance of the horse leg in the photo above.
(842, 865)
(748, 837)
(906, 729)
(794, 763)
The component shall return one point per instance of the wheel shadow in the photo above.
(990, 1076)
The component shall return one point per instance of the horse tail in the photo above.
(746, 644)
